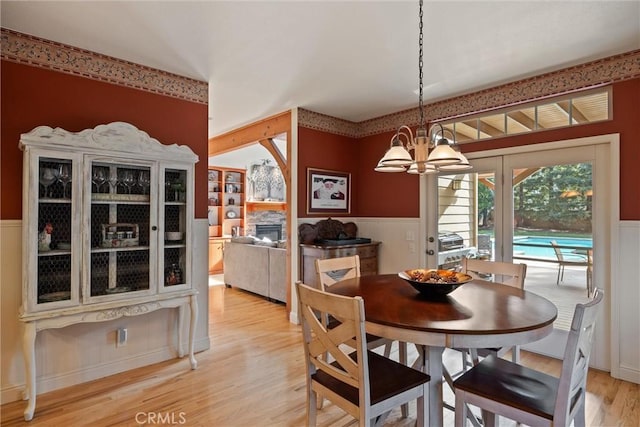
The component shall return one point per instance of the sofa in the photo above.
(256, 267)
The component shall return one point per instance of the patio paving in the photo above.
(541, 279)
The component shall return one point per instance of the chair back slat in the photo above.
(503, 272)
(332, 270)
(575, 365)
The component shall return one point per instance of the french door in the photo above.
(509, 207)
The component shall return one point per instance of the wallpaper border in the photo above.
(38, 52)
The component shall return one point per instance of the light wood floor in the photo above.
(252, 376)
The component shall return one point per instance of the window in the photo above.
(577, 109)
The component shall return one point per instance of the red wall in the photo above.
(395, 195)
(33, 96)
(384, 194)
(323, 150)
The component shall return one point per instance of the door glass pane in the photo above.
(119, 223)
(552, 205)
(465, 217)
(54, 230)
(175, 227)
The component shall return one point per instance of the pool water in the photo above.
(540, 247)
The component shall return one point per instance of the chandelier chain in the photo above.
(443, 157)
(420, 102)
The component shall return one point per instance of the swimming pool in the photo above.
(540, 247)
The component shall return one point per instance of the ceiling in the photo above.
(354, 60)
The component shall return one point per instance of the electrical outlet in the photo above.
(121, 337)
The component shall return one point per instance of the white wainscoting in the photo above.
(625, 310)
(85, 352)
(400, 242)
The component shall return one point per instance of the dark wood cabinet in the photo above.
(368, 253)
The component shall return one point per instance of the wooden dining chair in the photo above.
(506, 273)
(500, 387)
(333, 270)
(363, 383)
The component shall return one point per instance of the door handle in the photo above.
(430, 252)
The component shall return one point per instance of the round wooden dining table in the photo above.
(479, 314)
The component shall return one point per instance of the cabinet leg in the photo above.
(28, 349)
(180, 329)
(192, 331)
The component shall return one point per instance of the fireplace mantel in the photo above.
(265, 206)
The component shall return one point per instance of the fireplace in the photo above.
(271, 231)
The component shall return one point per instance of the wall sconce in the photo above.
(456, 184)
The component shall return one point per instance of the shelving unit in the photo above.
(226, 193)
(214, 194)
(107, 234)
(226, 210)
(233, 200)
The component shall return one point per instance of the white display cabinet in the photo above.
(107, 217)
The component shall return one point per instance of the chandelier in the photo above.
(443, 156)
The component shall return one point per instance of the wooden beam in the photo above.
(250, 134)
(576, 114)
(490, 185)
(492, 131)
(521, 174)
(523, 119)
(272, 148)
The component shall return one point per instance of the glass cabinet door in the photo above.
(175, 228)
(52, 282)
(121, 239)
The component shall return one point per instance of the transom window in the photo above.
(576, 109)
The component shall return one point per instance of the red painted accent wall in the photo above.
(323, 150)
(33, 96)
(385, 194)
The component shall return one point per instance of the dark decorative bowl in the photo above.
(423, 282)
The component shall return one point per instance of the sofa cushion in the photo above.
(266, 242)
(248, 240)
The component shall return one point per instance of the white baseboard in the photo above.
(14, 392)
(629, 374)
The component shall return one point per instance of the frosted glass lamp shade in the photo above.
(461, 166)
(443, 154)
(388, 168)
(397, 155)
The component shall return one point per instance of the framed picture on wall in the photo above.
(328, 191)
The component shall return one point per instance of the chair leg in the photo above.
(465, 362)
(461, 410)
(579, 420)
(319, 401)
(313, 398)
(515, 354)
(387, 349)
(558, 278)
(402, 358)
(422, 407)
